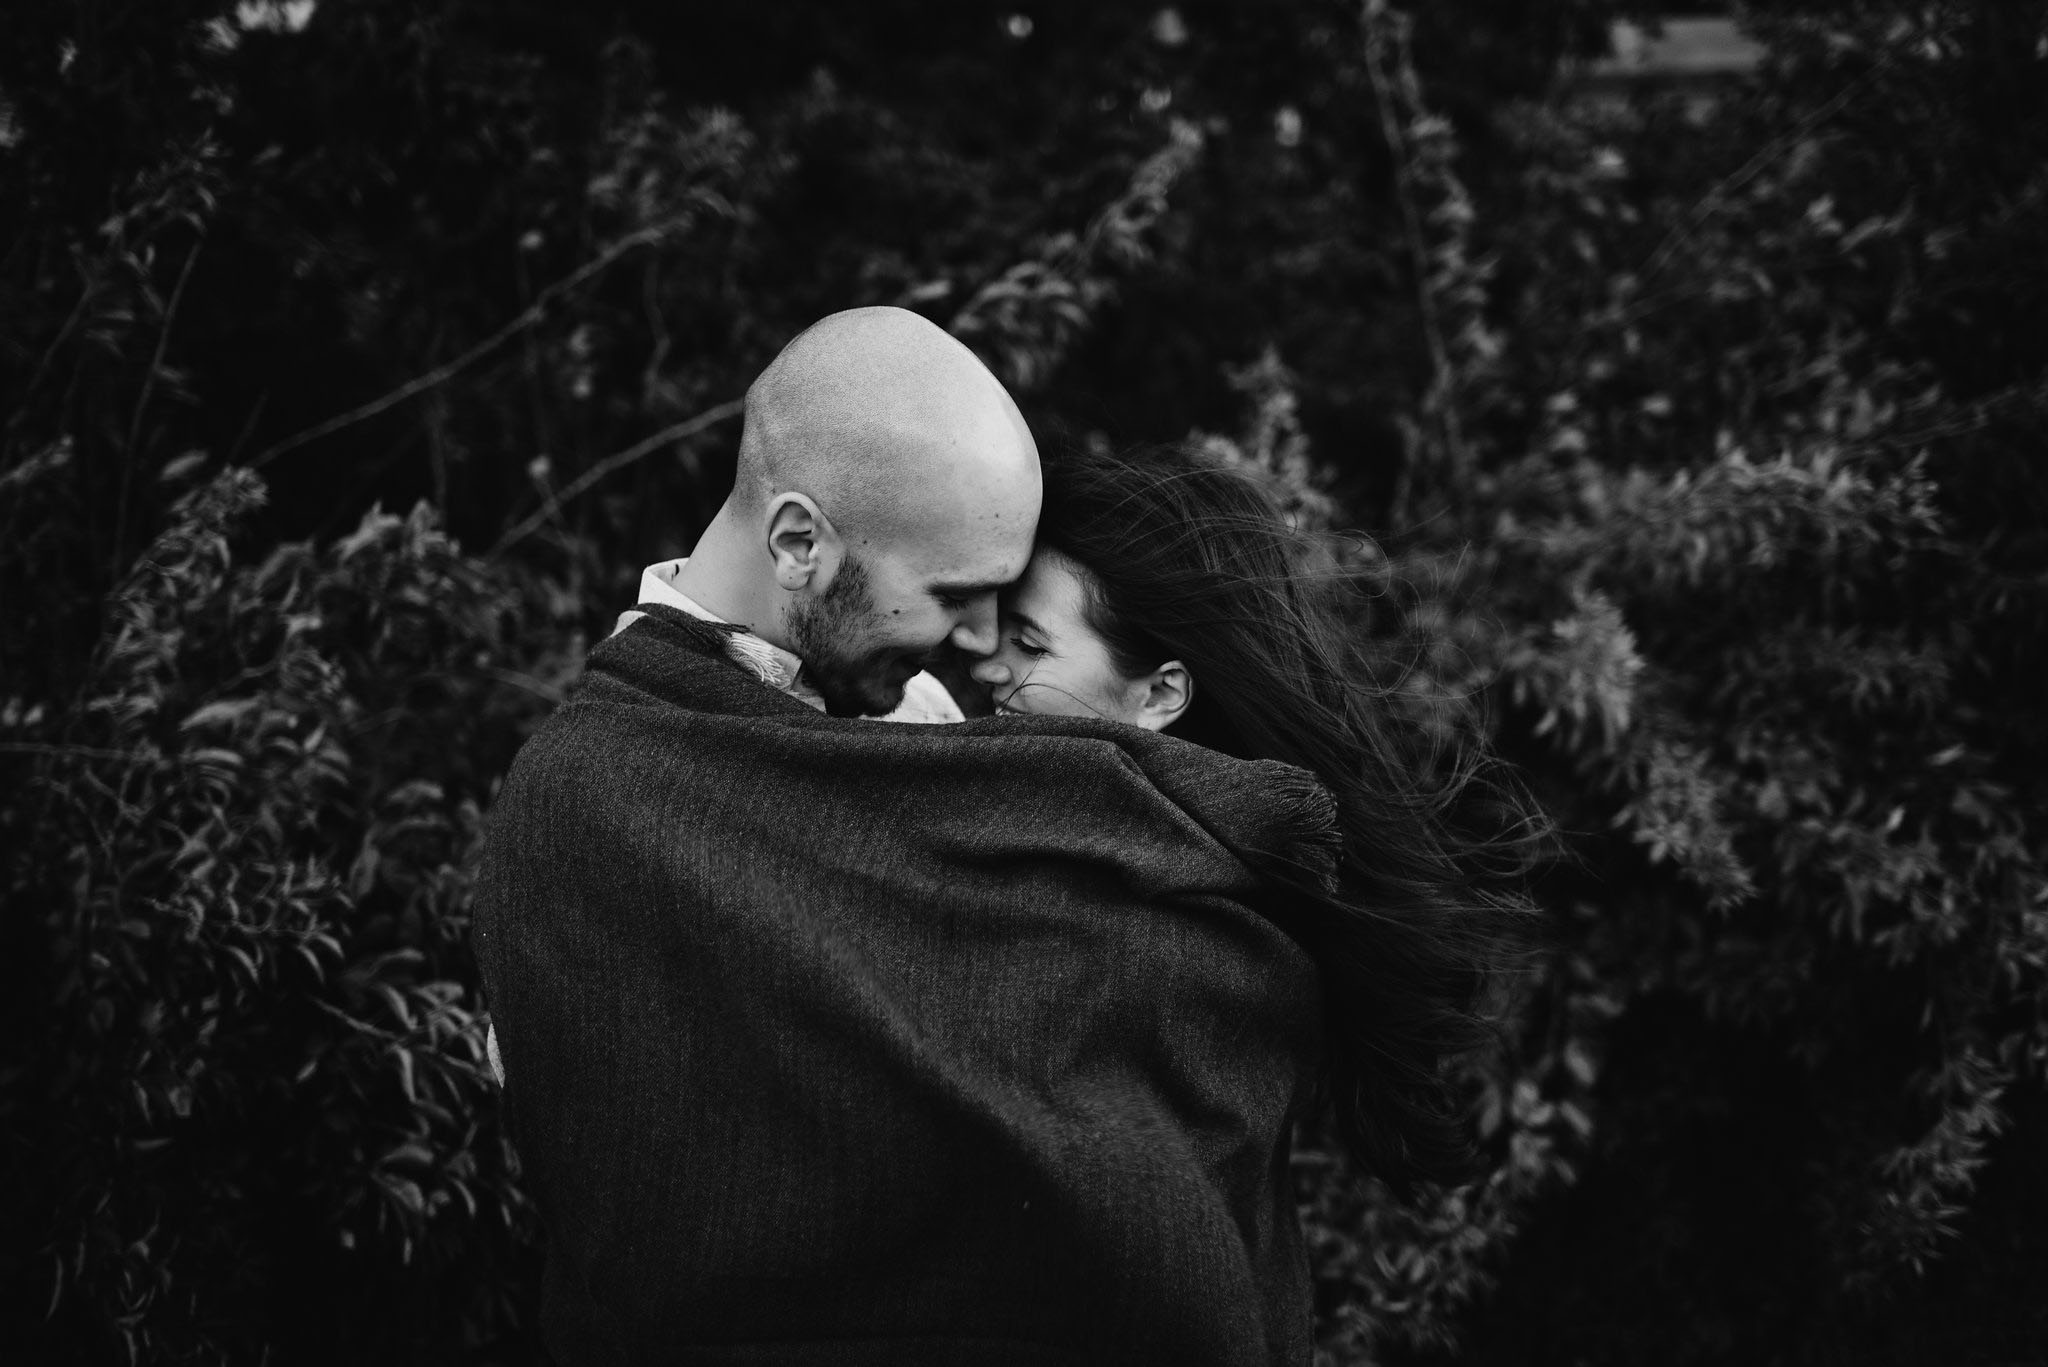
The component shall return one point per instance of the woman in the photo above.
(1169, 593)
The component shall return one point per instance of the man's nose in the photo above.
(975, 633)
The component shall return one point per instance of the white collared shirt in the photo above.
(925, 699)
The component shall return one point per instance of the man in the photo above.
(887, 487)
(829, 1042)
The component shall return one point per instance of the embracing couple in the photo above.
(950, 1040)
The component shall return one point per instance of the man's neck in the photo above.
(715, 578)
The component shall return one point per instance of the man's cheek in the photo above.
(911, 630)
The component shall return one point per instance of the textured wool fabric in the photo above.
(828, 1041)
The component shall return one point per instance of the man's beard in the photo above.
(827, 634)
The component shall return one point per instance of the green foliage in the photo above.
(253, 1080)
(1716, 524)
(1831, 710)
(1712, 531)
(1700, 430)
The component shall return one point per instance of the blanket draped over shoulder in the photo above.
(833, 1041)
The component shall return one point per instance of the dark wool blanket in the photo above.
(840, 1041)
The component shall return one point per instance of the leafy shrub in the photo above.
(249, 1101)
(1705, 448)
(1697, 489)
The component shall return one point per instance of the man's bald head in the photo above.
(892, 426)
(887, 488)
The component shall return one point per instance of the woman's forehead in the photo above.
(1052, 588)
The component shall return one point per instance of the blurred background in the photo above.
(1688, 366)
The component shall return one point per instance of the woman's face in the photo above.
(1050, 662)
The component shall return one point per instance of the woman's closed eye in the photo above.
(1027, 648)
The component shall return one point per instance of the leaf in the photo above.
(407, 1194)
(245, 961)
(412, 1153)
(183, 466)
(224, 712)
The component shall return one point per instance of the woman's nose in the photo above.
(991, 671)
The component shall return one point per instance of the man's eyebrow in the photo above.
(969, 590)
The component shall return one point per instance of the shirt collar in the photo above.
(768, 662)
(925, 699)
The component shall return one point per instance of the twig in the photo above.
(540, 688)
(248, 425)
(21, 410)
(658, 326)
(20, 747)
(689, 427)
(1374, 14)
(1975, 415)
(163, 339)
(1710, 202)
(1397, 148)
(156, 361)
(441, 374)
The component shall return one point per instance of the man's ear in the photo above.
(1166, 693)
(802, 542)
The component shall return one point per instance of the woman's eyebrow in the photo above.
(1025, 620)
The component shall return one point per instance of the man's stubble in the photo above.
(831, 635)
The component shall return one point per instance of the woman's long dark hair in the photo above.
(1193, 561)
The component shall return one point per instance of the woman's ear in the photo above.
(1165, 694)
(802, 542)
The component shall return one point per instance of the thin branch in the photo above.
(21, 410)
(1710, 203)
(20, 747)
(156, 361)
(1375, 14)
(1975, 415)
(163, 339)
(248, 425)
(658, 326)
(1397, 148)
(540, 688)
(689, 427)
(441, 374)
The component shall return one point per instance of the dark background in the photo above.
(354, 356)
